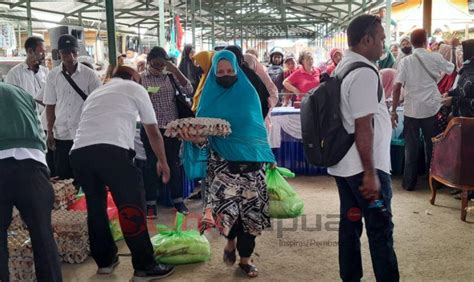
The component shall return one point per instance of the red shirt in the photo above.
(303, 80)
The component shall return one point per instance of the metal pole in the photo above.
(161, 12)
(213, 37)
(388, 23)
(28, 15)
(19, 38)
(225, 26)
(110, 14)
(427, 13)
(138, 41)
(241, 25)
(80, 18)
(193, 20)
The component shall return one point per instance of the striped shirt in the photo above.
(163, 100)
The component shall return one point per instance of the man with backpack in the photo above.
(351, 135)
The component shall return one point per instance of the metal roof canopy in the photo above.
(221, 20)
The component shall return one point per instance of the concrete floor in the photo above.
(431, 242)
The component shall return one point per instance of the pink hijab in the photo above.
(388, 81)
(260, 70)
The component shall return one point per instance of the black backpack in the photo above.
(325, 139)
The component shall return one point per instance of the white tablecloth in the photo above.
(286, 119)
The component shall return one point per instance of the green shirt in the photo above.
(20, 126)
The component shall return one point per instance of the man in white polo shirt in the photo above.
(31, 76)
(64, 99)
(363, 174)
(102, 155)
(419, 75)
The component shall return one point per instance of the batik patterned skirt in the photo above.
(232, 196)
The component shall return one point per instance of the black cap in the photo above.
(158, 52)
(67, 42)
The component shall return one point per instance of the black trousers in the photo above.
(245, 241)
(153, 183)
(411, 130)
(62, 162)
(101, 165)
(25, 185)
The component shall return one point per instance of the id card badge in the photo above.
(153, 89)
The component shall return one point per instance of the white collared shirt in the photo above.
(23, 154)
(27, 79)
(68, 103)
(110, 114)
(31, 82)
(422, 97)
(358, 99)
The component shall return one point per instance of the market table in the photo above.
(285, 139)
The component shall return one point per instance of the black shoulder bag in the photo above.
(184, 108)
(74, 85)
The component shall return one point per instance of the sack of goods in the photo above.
(20, 263)
(72, 237)
(198, 127)
(180, 246)
(64, 193)
(112, 212)
(284, 202)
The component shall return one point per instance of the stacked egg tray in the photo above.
(198, 127)
(71, 233)
(20, 263)
(64, 193)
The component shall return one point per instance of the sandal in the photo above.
(249, 269)
(229, 257)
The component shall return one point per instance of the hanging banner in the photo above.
(179, 32)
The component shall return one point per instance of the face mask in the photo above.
(406, 50)
(226, 81)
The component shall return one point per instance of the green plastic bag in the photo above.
(284, 202)
(288, 208)
(278, 188)
(180, 247)
(116, 230)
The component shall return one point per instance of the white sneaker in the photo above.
(108, 269)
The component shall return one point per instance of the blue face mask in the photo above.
(467, 62)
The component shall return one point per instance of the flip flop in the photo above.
(229, 257)
(249, 269)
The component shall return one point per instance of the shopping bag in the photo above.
(112, 212)
(194, 161)
(284, 202)
(278, 188)
(179, 246)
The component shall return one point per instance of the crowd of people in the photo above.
(88, 129)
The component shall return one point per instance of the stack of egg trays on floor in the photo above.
(71, 233)
(20, 263)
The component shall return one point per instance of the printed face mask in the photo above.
(226, 81)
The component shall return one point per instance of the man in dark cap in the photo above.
(67, 87)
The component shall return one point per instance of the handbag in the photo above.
(184, 108)
(194, 161)
(74, 85)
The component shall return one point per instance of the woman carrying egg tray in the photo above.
(237, 196)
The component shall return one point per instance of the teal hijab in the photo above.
(240, 106)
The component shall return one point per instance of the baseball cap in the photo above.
(67, 42)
